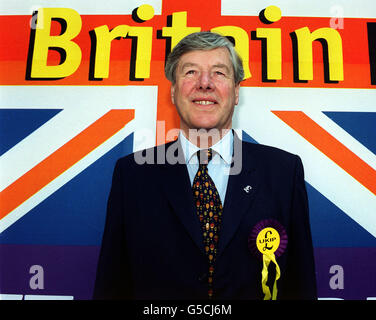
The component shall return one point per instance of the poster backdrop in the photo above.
(82, 84)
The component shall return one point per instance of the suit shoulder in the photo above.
(270, 155)
(143, 159)
(266, 150)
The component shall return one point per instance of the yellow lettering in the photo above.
(178, 29)
(143, 54)
(273, 51)
(43, 42)
(142, 40)
(271, 44)
(241, 44)
(333, 41)
(143, 35)
(104, 38)
(271, 14)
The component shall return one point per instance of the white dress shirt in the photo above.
(218, 167)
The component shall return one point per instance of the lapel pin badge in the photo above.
(247, 189)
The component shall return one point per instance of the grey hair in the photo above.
(205, 40)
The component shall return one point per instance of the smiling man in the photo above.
(198, 226)
(204, 90)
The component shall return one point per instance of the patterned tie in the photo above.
(209, 210)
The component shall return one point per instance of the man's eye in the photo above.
(190, 72)
(220, 73)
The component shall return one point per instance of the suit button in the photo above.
(203, 277)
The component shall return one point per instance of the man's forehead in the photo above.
(219, 57)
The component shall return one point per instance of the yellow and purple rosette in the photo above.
(268, 241)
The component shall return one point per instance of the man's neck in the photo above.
(204, 138)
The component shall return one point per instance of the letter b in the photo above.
(43, 42)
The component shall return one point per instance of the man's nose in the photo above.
(205, 81)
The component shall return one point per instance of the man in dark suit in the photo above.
(207, 216)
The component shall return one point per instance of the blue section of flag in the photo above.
(17, 124)
(246, 137)
(361, 125)
(74, 214)
(331, 227)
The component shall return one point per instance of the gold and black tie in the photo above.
(209, 210)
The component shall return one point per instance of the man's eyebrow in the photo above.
(188, 64)
(222, 65)
(218, 65)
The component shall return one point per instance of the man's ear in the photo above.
(172, 94)
(237, 88)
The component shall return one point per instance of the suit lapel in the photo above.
(178, 191)
(240, 194)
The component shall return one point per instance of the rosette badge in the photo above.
(268, 240)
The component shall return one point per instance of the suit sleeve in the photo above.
(113, 279)
(300, 274)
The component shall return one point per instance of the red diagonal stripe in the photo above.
(62, 159)
(331, 147)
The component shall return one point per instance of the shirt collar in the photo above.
(223, 147)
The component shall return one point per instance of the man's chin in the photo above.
(204, 129)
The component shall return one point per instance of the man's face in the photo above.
(205, 92)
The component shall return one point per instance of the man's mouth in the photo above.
(204, 102)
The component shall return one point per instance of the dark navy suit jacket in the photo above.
(152, 244)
